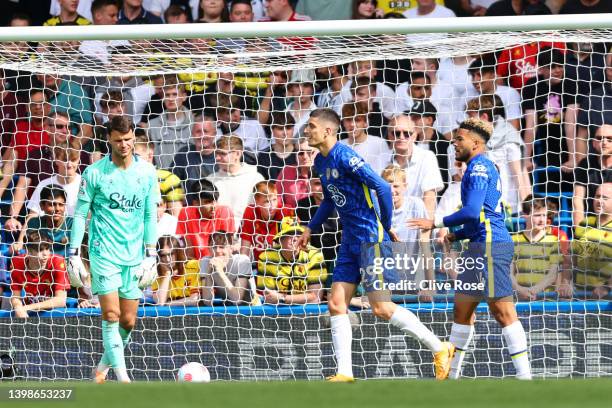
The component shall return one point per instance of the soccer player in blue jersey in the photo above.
(482, 221)
(121, 192)
(348, 185)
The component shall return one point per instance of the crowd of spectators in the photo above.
(236, 173)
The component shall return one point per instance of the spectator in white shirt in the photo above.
(234, 179)
(104, 12)
(428, 9)
(384, 96)
(300, 89)
(372, 149)
(420, 165)
(66, 163)
(449, 102)
(484, 78)
(504, 149)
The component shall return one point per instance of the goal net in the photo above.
(222, 117)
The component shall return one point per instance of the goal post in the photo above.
(188, 86)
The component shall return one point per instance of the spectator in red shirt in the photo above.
(40, 275)
(203, 217)
(282, 10)
(39, 165)
(11, 108)
(293, 182)
(519, 64)
(262, 220)
(29, 134)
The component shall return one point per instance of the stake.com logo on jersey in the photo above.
(119, 201)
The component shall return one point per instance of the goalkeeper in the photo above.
(122, 193)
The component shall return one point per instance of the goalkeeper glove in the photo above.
(77, 273)
(147, 271)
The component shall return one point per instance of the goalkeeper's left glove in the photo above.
(147, 271)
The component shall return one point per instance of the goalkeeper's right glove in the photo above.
(77, 273)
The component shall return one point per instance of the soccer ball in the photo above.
(193, 372)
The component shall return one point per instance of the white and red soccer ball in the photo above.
(193, 372)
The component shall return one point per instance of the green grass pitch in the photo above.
(317, 394)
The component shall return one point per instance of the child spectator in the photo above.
(202, 217)
(40, 274)
(592, 246)
(241, 11)
(143, 147)
(415, 242)
(300, 90)
(178, 282)
(66, 164)
(52, 221)
(261, 221)
(226, 276)
(67, 15)
(290, 275)
(281, 153)
(537, 254)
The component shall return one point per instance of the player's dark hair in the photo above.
(204, 190)
(122, 124)
(478, 126)
(51, 192)
(98, 4)
(328, 115)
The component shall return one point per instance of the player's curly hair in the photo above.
(480, 127)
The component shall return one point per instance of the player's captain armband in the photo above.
(356, 163)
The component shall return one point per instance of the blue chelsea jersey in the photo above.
(348, 182)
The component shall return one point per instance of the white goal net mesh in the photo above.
(223, 121)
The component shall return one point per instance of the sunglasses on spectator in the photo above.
(402, 134)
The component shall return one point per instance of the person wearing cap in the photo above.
(423, 114)
(287, 274)
(550, 105)
(300, 89)
(226, 276)
(374, 150)
(40, 274)
(484, 78)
